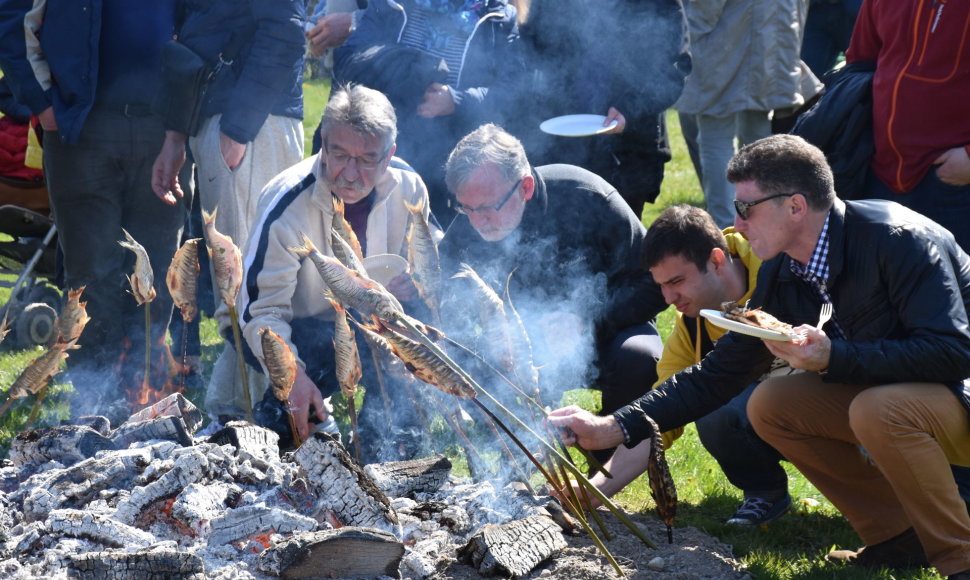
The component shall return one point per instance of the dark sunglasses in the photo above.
(744, 207)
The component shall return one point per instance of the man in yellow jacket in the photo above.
(698, 266)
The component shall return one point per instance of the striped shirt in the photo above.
(429, 32)
(816, 273)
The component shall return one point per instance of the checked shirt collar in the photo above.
(816, 273)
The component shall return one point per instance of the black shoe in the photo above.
(756, 511)
(903, 551)
(965, 575)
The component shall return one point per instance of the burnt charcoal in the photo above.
(189, 467)
(148, 565)
(342, 485)
(164, 428)
(248, 438)
(350, 552)
(99, 423)
(97, 527)
(253, 520)
(515, 548)
(66, 444)
(174, 405)
(405, 478)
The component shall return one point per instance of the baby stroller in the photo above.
(32, 308)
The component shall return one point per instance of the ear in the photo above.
(529, 187)
(798, 208)
(717, 259)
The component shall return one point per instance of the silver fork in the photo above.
(825, 315)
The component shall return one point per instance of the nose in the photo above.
(739, 224)
(478, 219)
(669, 294)
(350, 171)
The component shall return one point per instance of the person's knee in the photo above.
(767, 396)
(870, 411)
(720, 425)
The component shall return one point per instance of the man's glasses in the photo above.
(368, 162)
(744, 207)
(489, 208)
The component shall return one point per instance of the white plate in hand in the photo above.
(717, 318)
(383, 268)
(576, 125)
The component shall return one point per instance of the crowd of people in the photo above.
(434, 118)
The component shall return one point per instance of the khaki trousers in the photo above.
(911, 431)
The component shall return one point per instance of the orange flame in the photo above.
(139, 389)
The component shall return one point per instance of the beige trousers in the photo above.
(911, 431)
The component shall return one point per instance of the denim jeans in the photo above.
(749, 463)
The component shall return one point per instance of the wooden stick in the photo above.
(241, 359)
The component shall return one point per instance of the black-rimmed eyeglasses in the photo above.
(489, 208)
(367, 162)
(744, 207)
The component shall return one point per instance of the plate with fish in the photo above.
(756, 326)
(576, 125)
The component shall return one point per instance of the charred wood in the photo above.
(198, 504)
(404, 478)
(252, 520)
(515, 548)
(188, 468)
(174, 405)
(342, 485)
(248, 438)
(350, 552)
(97, 527)
(148, 565)
(97, 422)
(165, 428)
(66, 444)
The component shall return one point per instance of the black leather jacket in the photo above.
(901, 289)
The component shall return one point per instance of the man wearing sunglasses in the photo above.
(887, 374)
(287, 294)
(567, 246)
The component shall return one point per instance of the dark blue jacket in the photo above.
(69, 40)
(266, 76)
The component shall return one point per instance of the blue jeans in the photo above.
(749, 463)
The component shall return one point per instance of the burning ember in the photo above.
(150, 499)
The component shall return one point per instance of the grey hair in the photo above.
(489, 144)
(364, 110)
(785, 164)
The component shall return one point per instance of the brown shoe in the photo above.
(903, 551)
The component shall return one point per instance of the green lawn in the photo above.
(791, 548)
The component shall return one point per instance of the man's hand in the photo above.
(47, 120)
(304, 395)
(578, 426)
(165, 170)
(232, 151)
(953, 167)
(330, 31)
(403, 288)
(811, 353)
(614, 115)
(437, 102)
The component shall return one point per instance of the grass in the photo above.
(792, 548)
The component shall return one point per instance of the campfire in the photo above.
(150, 499)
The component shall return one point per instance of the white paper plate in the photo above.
(717, 319)
(383, 268)
(576, 125)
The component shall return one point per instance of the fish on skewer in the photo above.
(36, 375)
(342, 227)
(662, 486)
(491, 311)
(142, 279)
(351, 288)
(424, 261)
(426, 365)
(281, 371)
(347, 366)
(524, 369)
(343, 251)
(72, 320)
(226, 259)
(182, 278)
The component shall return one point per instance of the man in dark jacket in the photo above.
(446, 65)
(89, 71)
(252, 131)
(887, 373)
(568, 247)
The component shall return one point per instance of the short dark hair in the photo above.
(785, 164)
(682, 230)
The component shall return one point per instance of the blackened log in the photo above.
(515, 548)
(66, 444)
(174, 405)
(97, 422)
(165, 428)
(404, 478)
(147, 565)
(198, 504)
(75, 486)
(99, 528)
(188, 468)
(342, 485)
(350, 552)
(253, 520)
(248, 438)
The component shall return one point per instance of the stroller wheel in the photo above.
(45, 294)
(35, 325)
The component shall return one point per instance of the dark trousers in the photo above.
(749, 463)
(97, 187)
(628, 366)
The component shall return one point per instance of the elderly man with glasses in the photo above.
(567, 248)
(287, 295)
(882, 409)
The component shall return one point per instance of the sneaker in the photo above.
(756, 511)
(903, 551)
